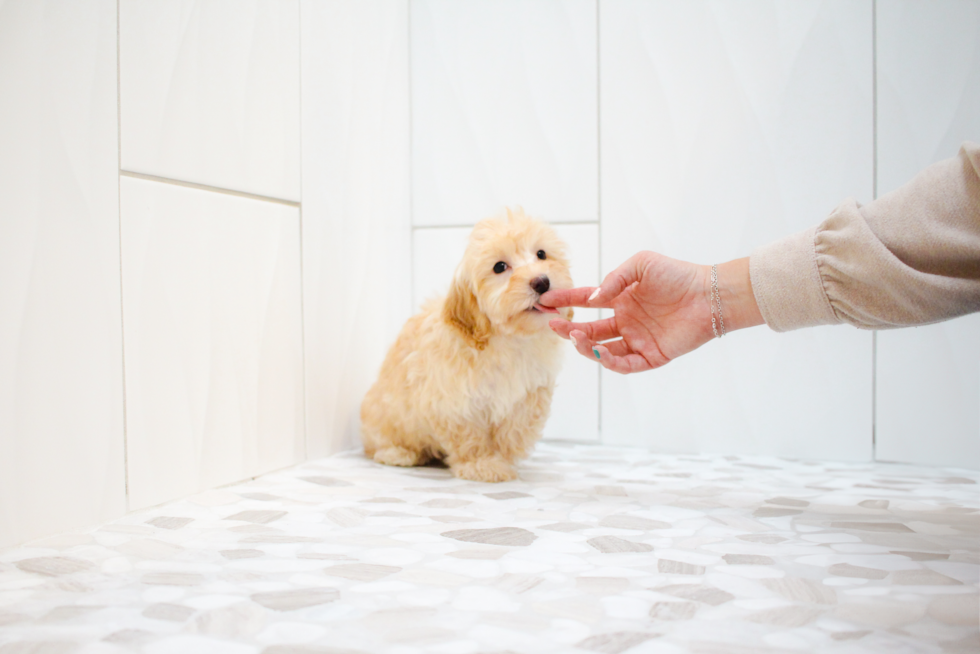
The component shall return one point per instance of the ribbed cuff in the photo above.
(787, 284)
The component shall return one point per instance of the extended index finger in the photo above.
(567, 297)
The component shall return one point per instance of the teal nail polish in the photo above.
(596, 353)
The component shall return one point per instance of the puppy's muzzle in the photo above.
(540, 285)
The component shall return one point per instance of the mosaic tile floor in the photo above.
(592, 550)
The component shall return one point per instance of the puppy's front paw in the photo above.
(397, 456)
(491, 470)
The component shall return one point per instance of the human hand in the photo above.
(662, 309)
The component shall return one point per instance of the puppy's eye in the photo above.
(499, 267)
(542, 255)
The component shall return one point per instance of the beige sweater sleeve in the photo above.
(911, 257)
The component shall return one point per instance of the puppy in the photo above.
(469, 379)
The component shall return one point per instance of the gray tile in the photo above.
(670, 567)
(507, 495)
(786, 616)
(848, 570)
(801, 590)
(171, 612)
(498, 536)
(361, 571)
(624, 521)
(66, 613)
(893, 527)
(874, 504)
(672, 610)
(697, 592)
(959, 610)
(616, 642)
(290, 600)
(326, 481)
(257, 517)
(922, 578)
(748, 559)
(923, 556)
(850, 635)
(54, 566)
(612, 544)
(127, 636)
(169, 522)
(788, 501)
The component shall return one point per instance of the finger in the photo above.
(597, 330)
(582, 344)
(618, 348)
(625, 365)
(567, 297)
(628, 273)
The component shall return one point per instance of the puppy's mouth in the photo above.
(537, 307)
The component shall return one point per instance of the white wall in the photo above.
(928, 378)
(205, 250)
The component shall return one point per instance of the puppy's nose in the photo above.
(540, 284)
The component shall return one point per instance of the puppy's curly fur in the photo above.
(469, 379)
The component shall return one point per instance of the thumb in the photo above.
(627, 274)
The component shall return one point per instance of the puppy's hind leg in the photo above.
(396, 455)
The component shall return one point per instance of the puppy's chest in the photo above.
(510, 371)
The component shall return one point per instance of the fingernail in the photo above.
(574, 340)
(595, 293)
(596, 353)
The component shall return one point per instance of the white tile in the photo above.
(928, 378)
(928, 386)
(575, 407)
(213, 338)
(504, 109)
(61, 428)
(928, 58)
(209, 92)
(726, 126)
(356, 213)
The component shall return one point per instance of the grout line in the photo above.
(302, 242)
(122, 319)
(874, 193)
(598, 132)
(205, 187)
(411, 164)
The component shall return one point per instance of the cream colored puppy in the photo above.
(469, 379)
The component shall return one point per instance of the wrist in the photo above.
(739, 308)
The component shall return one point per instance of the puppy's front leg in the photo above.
(521, 430)
(472, 455)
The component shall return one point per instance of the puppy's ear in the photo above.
(462, 311)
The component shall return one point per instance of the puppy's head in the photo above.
(509, 262)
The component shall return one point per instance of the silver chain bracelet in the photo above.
(716, 300)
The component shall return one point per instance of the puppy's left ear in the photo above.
(462, 311)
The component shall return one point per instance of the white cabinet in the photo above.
(725, 126)
(61, 424)
(213, 338)
(928, 378)
(209, 92)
